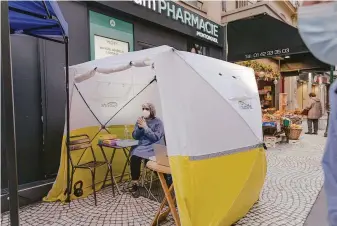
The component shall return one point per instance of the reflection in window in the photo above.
(244, 3)
(224, 6)
(196, 48)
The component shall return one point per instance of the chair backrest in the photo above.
(79, 142)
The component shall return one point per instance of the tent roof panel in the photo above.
(198, 120)
(235, 83)
(37, 18)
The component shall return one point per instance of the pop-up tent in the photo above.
(212, 118)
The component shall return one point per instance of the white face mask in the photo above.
(146, 113)
(317, 25)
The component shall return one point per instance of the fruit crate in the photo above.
(295, 134)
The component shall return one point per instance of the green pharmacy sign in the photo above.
(205, 28)
(109, 36)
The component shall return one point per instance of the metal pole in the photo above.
(67, 119)
(8, 115)
(332, 68)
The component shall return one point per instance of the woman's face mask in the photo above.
(146, 113)
(317, 25)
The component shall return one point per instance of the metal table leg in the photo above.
(107, 173)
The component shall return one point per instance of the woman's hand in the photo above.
(141, 123)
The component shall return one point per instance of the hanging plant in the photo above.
(262, 71)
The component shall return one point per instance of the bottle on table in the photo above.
(126, 132)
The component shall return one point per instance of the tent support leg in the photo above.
(8, 137)
(67, 119)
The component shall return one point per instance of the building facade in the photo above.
(282, 10)
(297, 66)
(236, 12)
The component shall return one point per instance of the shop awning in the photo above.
(42, 19)
(298, 63)
(262, 36)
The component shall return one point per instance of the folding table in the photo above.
(161, 170)
(124, 145)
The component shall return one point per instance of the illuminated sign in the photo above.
(205, 28)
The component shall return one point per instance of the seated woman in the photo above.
(148, 130)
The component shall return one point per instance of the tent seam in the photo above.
(225, 153)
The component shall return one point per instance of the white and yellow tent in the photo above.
(212, 118)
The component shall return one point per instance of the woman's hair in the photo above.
(312, 95)
(151, 108)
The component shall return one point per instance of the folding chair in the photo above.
(145, 172)
(82, 142)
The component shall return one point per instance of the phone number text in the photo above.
(267, 53)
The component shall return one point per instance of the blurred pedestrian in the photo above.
(315, 112)
(317, 23)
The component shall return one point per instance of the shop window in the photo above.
(296, 4)
(144, 45)
(244, 3)
(223, 4)
(197, 48)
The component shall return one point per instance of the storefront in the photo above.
(267, 44)
(278, 45)
(134, 25)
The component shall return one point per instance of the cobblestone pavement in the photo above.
(121, 210)
(293, 182)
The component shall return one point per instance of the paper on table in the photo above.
(127, 143)
(153, 158)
